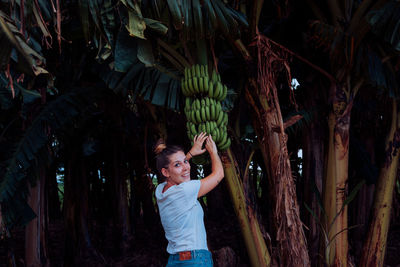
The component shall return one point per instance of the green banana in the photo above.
(201, 84)
(214, 76)
(216, 90)
(190, 85)
(196, 85)
(198, 72)
(202, 71)
(220, 118)
(217, 138)
(212, 112)
(193, 129)
(193, 71)
(226, 145)
(188, 103)
(203, 102)
(225, 120)
(198, 116)
(203, 114)
(225, 92)
(210, 89)
(207, 100)
(205, 83)
(223, 139)
(208, 115)
(193, 116)
(198, 105)
(218, 106)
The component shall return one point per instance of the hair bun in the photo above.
(160, 146)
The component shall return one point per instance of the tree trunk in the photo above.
(313, 171)
(36, 251)
(121, 194)
(292, 245)
(76, 192)
(375, 244)
(262, 96)
(336, 181)
(254, 240)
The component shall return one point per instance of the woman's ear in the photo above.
(165, 172)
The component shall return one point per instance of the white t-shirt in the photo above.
(182, 216)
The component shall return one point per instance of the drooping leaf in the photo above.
(145, 53)
(233, 26)
(198, 19)
(175, 11)
(385, 23)
(156, 26)
(6, 96)
(84, 15)
(125, 53)
(136, 24)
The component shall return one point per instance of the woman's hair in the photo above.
(163, 152)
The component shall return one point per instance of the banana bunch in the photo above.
(197, 82)
(203, 108)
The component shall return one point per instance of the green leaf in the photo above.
(136, 24)
(145, 53)
(125, 54)
(175, 11)
(8, 36)
(28, 95)
(198, 19)
(156, 26)
(233, 26)
(84, 15)
(385, 23)
(188, 18)
(222, 22)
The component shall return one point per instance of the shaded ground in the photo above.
(148, 246)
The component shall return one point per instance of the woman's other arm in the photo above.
(217, 171)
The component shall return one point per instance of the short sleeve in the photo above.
(191, 189)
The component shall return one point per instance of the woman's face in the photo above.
(178, 169)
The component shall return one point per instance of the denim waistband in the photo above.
(198, 253)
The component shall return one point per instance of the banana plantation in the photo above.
(301, 98)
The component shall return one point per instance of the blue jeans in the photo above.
(199, 258)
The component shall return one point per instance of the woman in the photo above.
(180, 211)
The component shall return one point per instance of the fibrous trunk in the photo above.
(375, 245)
(262, 96)
(289, 230)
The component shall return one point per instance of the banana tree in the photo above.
(350, 46)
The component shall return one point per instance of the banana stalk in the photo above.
(253, 238)
(375, 245)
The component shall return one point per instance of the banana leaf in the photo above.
(385, 23)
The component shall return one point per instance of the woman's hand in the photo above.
(210, 145)
(198, 141)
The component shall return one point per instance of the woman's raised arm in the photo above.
(217, 171)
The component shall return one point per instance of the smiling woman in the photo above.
(180, 211)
